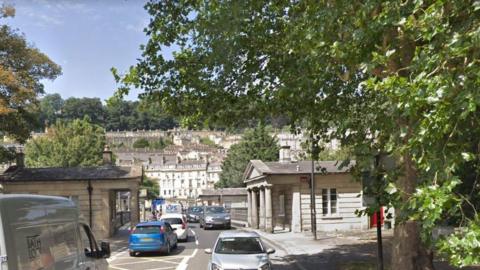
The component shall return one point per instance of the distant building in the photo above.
(183, 179)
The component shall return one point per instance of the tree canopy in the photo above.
(22, 67)
(255, 144)
(395, 77)
(67, 144)
(116, 114)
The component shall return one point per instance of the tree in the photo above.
(77, 108)
(255, 144)
(50, 109)
(22, 67)
(396, 77)
(141, 143)
(152, 187)
(67, 144)
(161, 143)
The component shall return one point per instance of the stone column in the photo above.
(254, 210)
(296, 211)
(249, 207)
(268, 210)
(134, 207)
(262, 209)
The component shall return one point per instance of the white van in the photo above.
(44, 232)
(172, 208)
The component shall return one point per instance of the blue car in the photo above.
(152, 236)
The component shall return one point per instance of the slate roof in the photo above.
(223, 192)
(298, 167)
(73, 173)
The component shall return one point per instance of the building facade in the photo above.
(184, 179)
(279, 196)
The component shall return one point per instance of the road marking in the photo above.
(116, 255)
(195, 235)
(184, 263)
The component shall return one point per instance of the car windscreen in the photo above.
(147, 230)
(214, 210)
(239, 245)
(173, 221)
(195, 210)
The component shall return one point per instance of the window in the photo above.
(164, 192)
(281, 204)
(329, 201)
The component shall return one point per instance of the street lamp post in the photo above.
(313, 207)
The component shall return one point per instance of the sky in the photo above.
(86, 38)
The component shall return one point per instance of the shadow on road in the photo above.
(352, 256)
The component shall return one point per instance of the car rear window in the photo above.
(239, 245)
(147, 229)
(173, 221)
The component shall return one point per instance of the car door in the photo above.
(172, 236)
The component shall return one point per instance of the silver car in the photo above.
(239, 250)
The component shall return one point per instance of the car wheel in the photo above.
(201, 226)
(132, 253)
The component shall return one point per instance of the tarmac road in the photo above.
(189, 255)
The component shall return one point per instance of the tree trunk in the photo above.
(409, 253)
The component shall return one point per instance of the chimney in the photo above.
(20, 160)
(285, 154)
(107, 155)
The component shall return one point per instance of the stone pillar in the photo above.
(249, 207)
(134, 207)
(296, 211)
(254, 210)
(268, 210)
(262, 209)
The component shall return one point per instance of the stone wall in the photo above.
(348, 198)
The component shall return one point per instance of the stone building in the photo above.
(184, 179)
(279, 196)
(227, 197)
(94, 189)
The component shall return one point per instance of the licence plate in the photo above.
(146, 239)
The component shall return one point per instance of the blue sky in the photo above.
(85, 37)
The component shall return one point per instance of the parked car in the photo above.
(194, 213)
(45, 232)
(239, 250)
(178, 223)
(152, 236)
(215, 216)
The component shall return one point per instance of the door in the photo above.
(373, 219)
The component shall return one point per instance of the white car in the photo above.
(178, 222)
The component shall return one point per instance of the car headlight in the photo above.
(227, 217)
(217, 267)
(265, 267)
(209, 218)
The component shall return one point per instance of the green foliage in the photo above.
(207, 141)
(51, 106)
(152, 187)
(463, 247)
(67, 144)
(77, 108)
(161, 143)
(396, 77)
(255, 144)
(141, 143)
(22, 68)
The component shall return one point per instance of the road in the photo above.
(188, 256)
